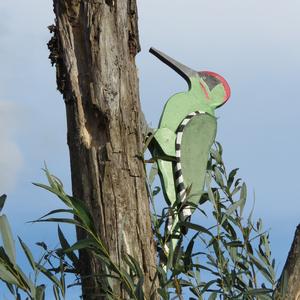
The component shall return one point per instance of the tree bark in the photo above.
(94, 47)
(288, 287)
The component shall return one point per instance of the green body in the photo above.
(197, 139)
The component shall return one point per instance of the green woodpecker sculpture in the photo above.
(184, 137)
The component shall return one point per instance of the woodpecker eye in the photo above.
(211, 81)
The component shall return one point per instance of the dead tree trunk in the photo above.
(289, 283)
(94, 47)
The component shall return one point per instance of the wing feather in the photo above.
(197, 139)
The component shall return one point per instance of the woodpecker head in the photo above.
(211, 88)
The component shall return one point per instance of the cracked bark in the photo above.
(288, 287)
(94, 47)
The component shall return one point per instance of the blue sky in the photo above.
(254, 44)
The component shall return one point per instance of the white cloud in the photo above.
(10, 155)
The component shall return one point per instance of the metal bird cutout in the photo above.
(185, 134)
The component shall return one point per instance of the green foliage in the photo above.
(228, 259)
(10, 272)
(65, 257)
(225, 255)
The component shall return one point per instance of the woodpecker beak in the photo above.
(181, 69)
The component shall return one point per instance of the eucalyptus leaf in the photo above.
(65, 245)
(7, 238)
(50, 276)
(219, 177)
(258, 291)
(56, 292)
(232, 208)
(153, 173)
(128, 282)
(7, 276)
(82, 212)
(139, 293)
(243, 197)
(60, 220)
(261, 267)
(196, 227)
(231, 177)
(9, 286)
(56, 211)
(82, 244)
(28, 254)
(213, 296)
(40, 292)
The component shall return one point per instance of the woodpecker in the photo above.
(186, 132)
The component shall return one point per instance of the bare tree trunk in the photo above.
(94, 49)
(289, 284)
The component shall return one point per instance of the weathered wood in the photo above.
(94, 49)
(289, 284)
